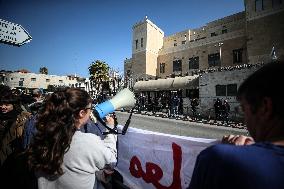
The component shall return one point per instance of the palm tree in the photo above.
(99, 74)
(43, 70)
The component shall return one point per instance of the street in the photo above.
(177, 127)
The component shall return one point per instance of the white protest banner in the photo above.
(149, 160)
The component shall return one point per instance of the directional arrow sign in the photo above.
(13, 34)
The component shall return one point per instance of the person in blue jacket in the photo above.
(256, 162)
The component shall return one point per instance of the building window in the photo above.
(220, 90)
(258, 5)
(141, 42)
(232, 90)
(128, 73)
(33, 79)
(175, 43)
(194, 63)
(192, 93)
(213, 34)
(136, 43)
(162, 67)
(183, 42)
(214, 60)
(47, 80)
(11, 79)
(226, 90)
(224, 31)
(237, 56)
(60, 81)
(22, 79)
(21, 83)
(276, 3)
(177, 65)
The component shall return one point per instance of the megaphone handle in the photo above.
(123, 132)
(111, 130)
(115, 119)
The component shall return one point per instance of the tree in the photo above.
(43, 70)
(99, 74)
(115, 80)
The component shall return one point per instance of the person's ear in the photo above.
(82, 113)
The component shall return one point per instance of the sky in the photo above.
(67, 35)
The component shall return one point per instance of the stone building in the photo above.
(264, 30)
(251, 37)
(30, 81)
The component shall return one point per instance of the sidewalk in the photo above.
(183, 119)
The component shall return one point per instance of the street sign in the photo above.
(13, 34)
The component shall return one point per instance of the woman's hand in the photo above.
(237, 140)
(109, 120)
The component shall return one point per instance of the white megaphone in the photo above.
(125, 98)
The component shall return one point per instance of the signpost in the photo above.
(13, 34)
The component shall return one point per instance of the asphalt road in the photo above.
(177, 127)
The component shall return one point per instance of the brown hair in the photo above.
(55, 128)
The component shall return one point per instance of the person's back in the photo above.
(225, 110)
(89, 127)
(194, 104)
(85, 157)
(217, 108)
(175, 101)
(222, 166)
(175, 105)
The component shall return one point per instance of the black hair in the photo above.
(265, 82)
(7, 97)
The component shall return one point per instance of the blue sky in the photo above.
(67, 35)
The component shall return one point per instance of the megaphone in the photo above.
(125, 98)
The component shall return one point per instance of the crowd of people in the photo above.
(64, 148)
(174, 107)
(173, 104)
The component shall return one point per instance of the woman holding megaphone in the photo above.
(61, 155)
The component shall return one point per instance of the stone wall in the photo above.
(262, 38)
(209, 80)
